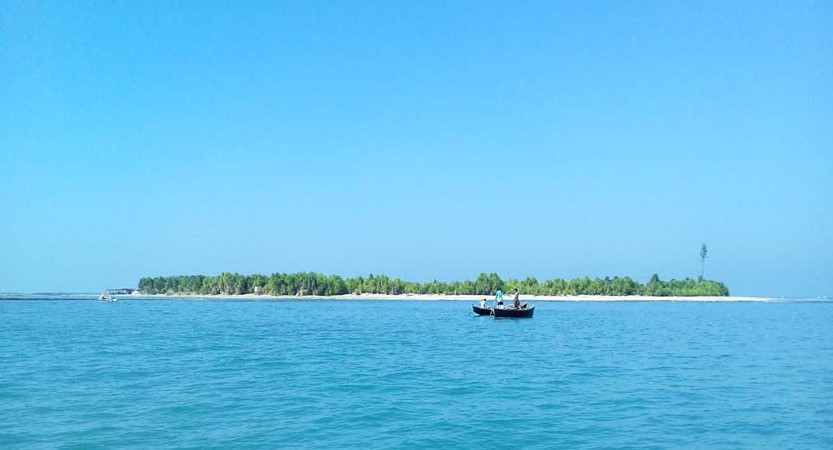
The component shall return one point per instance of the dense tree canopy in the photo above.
(315, 284)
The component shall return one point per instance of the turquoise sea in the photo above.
(337, 374)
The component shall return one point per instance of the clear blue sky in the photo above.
(423, 140)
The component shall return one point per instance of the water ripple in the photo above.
(176, 374)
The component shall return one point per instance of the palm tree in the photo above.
(703, 254)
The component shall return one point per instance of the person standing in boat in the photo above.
(499, 298)
(517, 302)
(483, 303)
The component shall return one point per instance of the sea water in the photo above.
(341, 374)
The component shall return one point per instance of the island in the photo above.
(310, 284)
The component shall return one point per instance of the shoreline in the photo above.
(442, 297)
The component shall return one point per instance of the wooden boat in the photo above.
(481, 311)
(512, 312)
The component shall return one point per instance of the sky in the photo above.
(417, 139)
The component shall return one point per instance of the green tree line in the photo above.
(316, 284)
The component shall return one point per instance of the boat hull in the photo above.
(481, 311)
(514, 313)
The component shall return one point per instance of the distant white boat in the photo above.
(105, 297)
